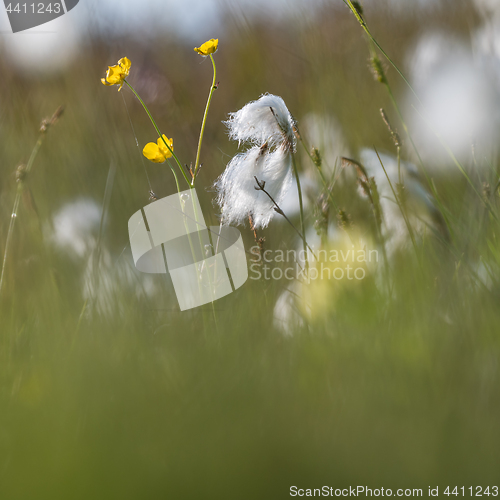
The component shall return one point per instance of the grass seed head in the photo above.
(378, 69)
(358, 7)
(344, 220)
(316, 157)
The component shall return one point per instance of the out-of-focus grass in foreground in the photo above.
(119, 395)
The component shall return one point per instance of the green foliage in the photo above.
(393, 386)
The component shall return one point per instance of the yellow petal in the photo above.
(152, 152)
(125, 64)
(161, 145)
(208, 47)
(105, 82)
(114, 75)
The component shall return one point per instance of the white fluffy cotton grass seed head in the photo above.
(237, 196)
(268, 126)
(265, 120)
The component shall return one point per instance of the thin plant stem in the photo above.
(373, 43)
(328, 188)
(277, 208)
(80, 318)
(170, 149)
(191, 185)
(160, 135)
(96, 257)
(420, 161)
(320, 172)
(175, 177)
(459, 165)
(203, 123)
(412, 142)
(403, 213)
(9, 235)
(363, 24)
(17, 200)
(301, 209)
(496, 187)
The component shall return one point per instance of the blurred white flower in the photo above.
(304, 299)
(486, 38)
(288, 315)
(268, 126)
(487, 7)
(325, 133)
(459, 100)
(45, 49)
(420, 205)
(75, 227)
(105, 278)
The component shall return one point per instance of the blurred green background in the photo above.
(108, 391)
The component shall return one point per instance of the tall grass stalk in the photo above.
(23, 174)
(458, 164)
(359, 17)
(382, 78)
(401, 208)
(374, 42)
(318, 168)
(97, 251)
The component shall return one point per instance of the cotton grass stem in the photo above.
(277, 208)
(301, 209)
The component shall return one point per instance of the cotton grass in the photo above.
(268, 127)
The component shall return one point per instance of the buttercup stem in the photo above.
(175, 177)
(212, 88)
(158, 131)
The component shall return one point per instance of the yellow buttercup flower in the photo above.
(158, 152)
(208, 47)
(116, 74)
